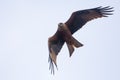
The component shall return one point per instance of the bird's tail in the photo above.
(73, 43)
(70, 48)
(76, 43)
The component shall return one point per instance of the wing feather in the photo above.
(80, 18)
(55, 44)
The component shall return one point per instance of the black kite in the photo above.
(65, 31)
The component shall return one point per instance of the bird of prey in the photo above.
(66, 30)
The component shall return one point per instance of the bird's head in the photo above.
(60, 26)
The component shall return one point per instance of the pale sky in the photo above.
(26, 25)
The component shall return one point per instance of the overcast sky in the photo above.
(26, 25)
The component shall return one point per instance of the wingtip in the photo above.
(105, 11)
(52, 61)
(51, 66)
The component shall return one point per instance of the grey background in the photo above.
(25, 26)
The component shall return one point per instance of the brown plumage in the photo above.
(65, 31)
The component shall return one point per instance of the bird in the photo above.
(65, 31)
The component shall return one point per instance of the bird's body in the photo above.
(65, 31)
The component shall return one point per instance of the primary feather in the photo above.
(81, 17)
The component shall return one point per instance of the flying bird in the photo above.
(66, 30)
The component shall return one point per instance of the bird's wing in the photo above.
(79, 18)
(54, 45)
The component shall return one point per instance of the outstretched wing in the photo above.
(79, 18)
(55, 44)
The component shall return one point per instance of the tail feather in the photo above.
(73, 43)
(76, 43)
(70, 48)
